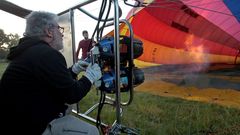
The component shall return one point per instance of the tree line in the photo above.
(6, 42)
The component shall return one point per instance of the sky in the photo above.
(14, 24)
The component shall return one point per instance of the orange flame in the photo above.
(195, 50)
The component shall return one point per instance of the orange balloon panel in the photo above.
(156, 53)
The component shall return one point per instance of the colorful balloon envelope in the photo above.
(185, 31)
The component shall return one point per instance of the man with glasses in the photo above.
(37, 85)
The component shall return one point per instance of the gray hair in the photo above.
(37, 21)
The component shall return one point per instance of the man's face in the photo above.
(57, 42)
(85, 35)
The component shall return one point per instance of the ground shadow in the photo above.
(197, 75)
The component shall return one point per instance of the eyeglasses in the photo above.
(61, 29)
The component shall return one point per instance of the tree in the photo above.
(12, 40)
(3, 38)
(7, 41)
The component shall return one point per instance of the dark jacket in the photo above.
(35, 87)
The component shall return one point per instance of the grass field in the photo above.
(3, 66)
(157, 115)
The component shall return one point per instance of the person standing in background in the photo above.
(85, 44)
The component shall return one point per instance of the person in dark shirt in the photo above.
(37, 85)
(85, 44)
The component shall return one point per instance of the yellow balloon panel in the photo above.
(157, 53)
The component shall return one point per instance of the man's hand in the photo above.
(80, 66)
(93, 73)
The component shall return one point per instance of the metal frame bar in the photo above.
(117, 61)
(77, 6)
(116, 126)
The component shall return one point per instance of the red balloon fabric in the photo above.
(183, 31)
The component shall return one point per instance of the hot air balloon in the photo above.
(187, 31)
(182, 38)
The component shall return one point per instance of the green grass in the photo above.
(156, 115)
(3, 66)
